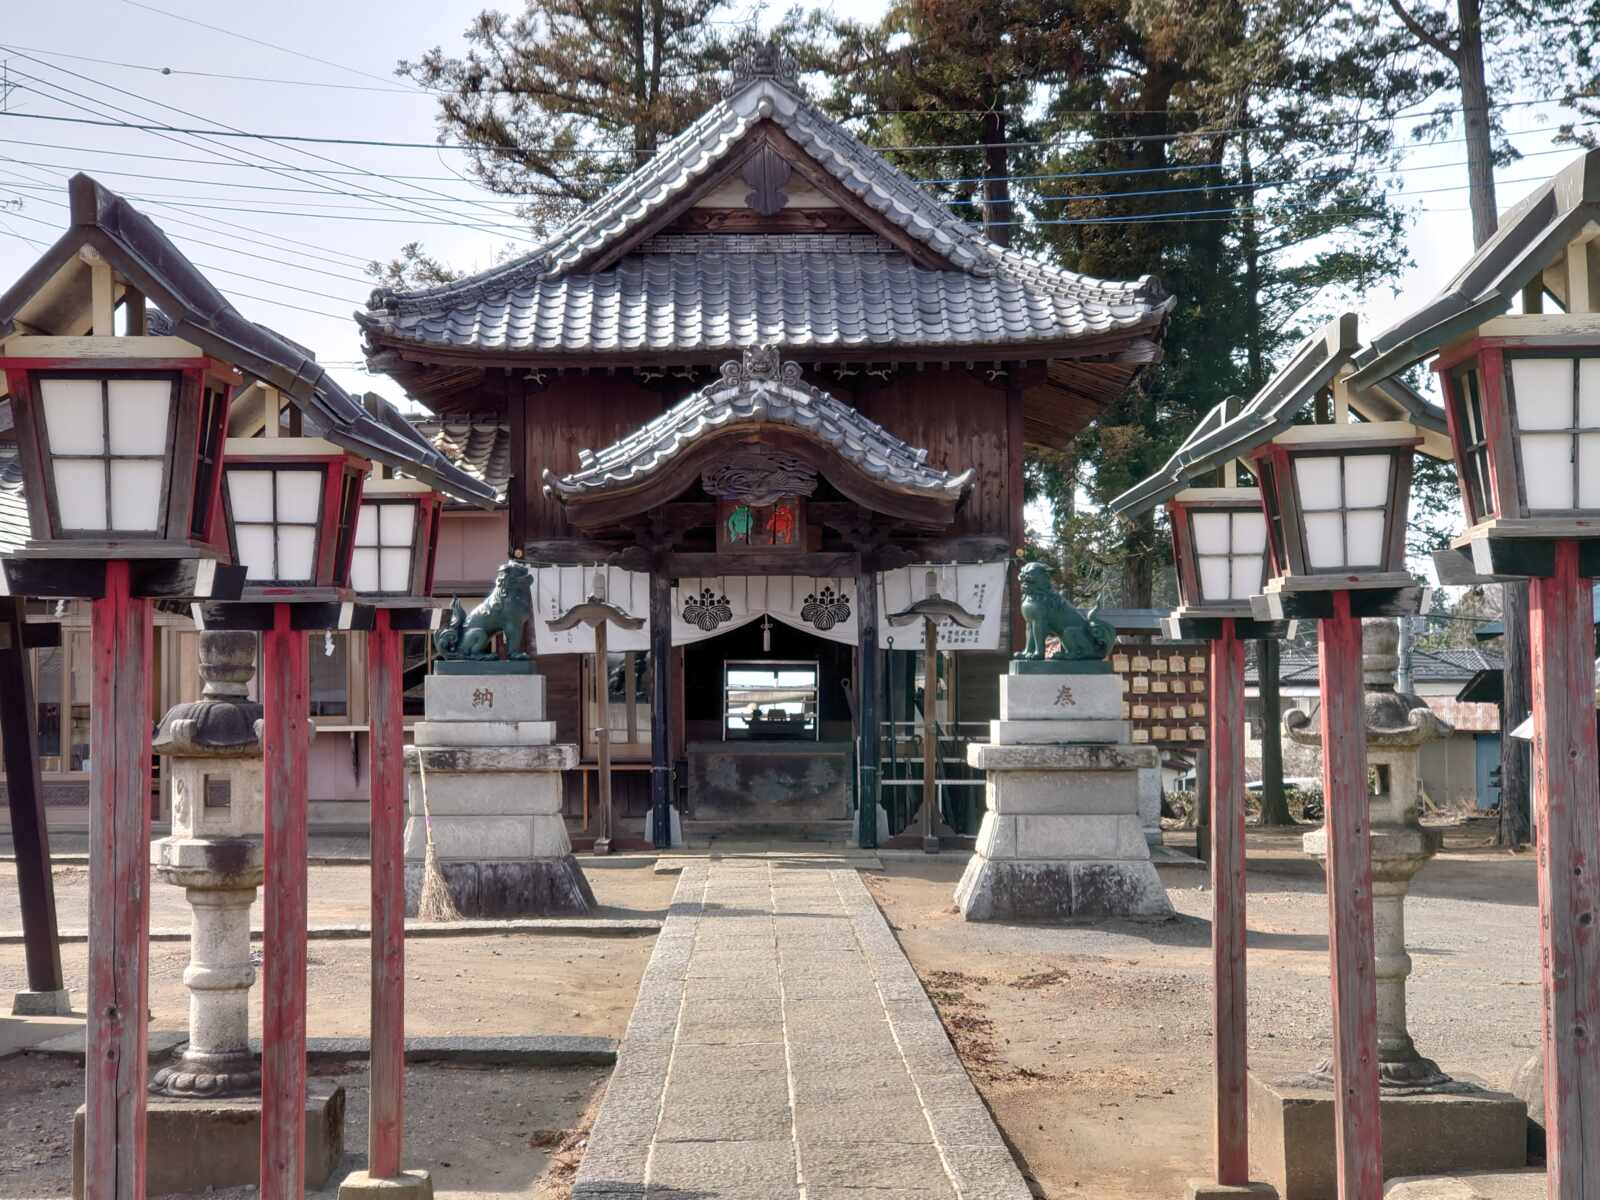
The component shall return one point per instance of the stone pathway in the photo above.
(783, 1047)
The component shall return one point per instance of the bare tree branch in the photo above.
(1423, 34)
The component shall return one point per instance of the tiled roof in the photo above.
(1531, 236)
(756, 391)
(14, 528)
(716, 292)
(1298, 666)
(478, 443)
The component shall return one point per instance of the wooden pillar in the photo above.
(119, 893)
(660, 711)
(385, 691)
(285, 736)
(1015, 461)
(1228, 996)
(1358, 1139)
(1568, 833)
(602, 737)
(930, 736)
(30, 832)
(867, 706)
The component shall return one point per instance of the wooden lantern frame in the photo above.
(190, 523)
(1181, 511)
(1389, 587)
(338, 507)
(424, 549)
(1476, 376)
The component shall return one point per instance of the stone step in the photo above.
(834, 832)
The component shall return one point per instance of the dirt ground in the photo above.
(483, 1131)
(1092, 1045)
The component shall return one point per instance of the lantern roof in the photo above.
(53, 296)
(1532, 237)
(1233, 428)
(14, 527)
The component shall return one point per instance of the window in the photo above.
(330, 675)
(213, 433)
(1344, 505)
(1557, 407)
(108, 440)
(1269, 501)
(349, 499)
(1230, 553)
(275, 516)
(1468, 400)
(630, 685)
(385, 535)
(770, 701)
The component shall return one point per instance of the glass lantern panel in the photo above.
(1210, 533)
(81, 493)
(1366, 480)
(364, 569)
(255, 550)
(1543, 391)
(1249, 533)
(367, 526)
(1547, 470)
(1247, 576)
(395, 524)
(136, 494)
(299, 496)
(297, 547)
(73, 418)
(1589, 470)
(1589, 393)
(1214, 577)
(1324, 540)
(138, 416)
(1318, 481)
(1364, 537)
(250, 495)
(395, 569)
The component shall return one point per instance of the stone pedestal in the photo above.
(1424, 1133)
(28, 1003)
(193, 1146)
(1062, 836)
(485, 776)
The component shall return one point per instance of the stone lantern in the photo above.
(1397, 726)
(211, 750)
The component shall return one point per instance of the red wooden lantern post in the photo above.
(120, 442)
(292, 505)
(1219, 539)
(392, 569)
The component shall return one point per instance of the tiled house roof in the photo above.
(1298, 666)
(477, 443)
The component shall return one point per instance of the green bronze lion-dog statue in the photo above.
(1083, 638)
(507, 610)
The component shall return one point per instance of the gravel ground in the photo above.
(483, 1131)
(1092, 1044)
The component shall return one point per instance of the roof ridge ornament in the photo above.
(764, 60)
(760, 365)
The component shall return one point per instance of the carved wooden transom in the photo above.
(758, 477)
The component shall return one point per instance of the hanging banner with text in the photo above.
(978, 587)
(705, 607)
(558, 589)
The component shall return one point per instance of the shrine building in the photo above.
(771, 392)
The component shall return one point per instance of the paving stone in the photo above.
(680, 1170)
(873, 1164)
(902, 1123)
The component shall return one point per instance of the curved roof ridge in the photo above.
(755, 389)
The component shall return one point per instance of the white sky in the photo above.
(333, 236)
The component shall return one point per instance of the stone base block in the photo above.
(1034, 733)
(408, 1185)
(541, 887)
(1291, 1135)
(41, 1004)
(468, 837)
(1472, 1185)
(1040, 890)
(1054, 697)
(485, 733)
(1062, 837)
(1201, 1189)
(483, 697)
(196, 1145)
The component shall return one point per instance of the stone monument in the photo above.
(483, 777)
(1431, 1123)
(1062, 836)
(205, 1111)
